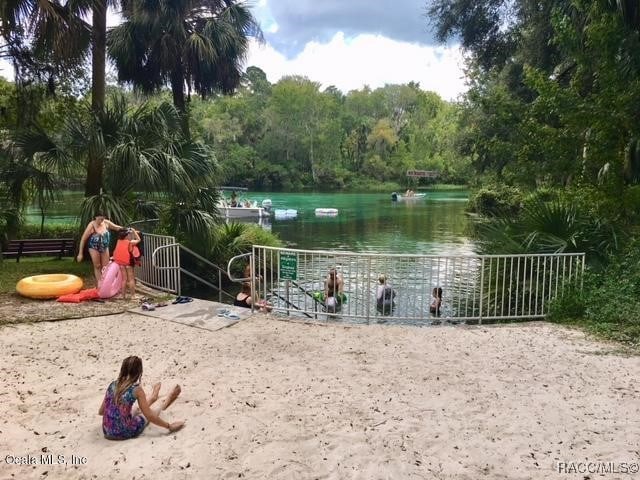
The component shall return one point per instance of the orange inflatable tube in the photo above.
(48, 286)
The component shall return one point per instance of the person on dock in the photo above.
(120, 418)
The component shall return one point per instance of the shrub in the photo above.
(49, 231)
(609, 304)
(496, 200)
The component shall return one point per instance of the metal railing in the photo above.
(474, 288)
(160, 267)
(165, 261)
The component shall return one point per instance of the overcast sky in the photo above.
(354, 43)
(350, 44)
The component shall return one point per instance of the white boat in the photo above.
(235, 207)
(326, 212)
(285, 213)
(242, 212)
(397, 197)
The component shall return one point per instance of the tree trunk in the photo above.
(93, 184)
(177, 90)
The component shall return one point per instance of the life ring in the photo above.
(49, 286)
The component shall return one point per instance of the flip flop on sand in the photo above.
(231, 316)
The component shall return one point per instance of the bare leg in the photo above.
(131, 281)
(155, 393)
(172, 397)
(167, 401)
(123, 282)
(97, 264)
(104, 258)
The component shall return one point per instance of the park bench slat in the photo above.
(40, 246)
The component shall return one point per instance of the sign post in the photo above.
(288, 266)
(288, 271)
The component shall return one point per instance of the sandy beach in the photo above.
(267, 398)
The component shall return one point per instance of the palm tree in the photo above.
(57, 32)
(146, 157)
(33, 163)
(144, 153)
(199, 44)
(629, 10)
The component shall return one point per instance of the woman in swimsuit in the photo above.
(97, 236)
(120, 418)
(244, 299)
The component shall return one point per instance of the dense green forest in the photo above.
(551, 125)
(294, 135)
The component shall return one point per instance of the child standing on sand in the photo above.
(128, 238)
(119, 420)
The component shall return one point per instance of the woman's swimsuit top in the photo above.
(242, 303)
(99, 241)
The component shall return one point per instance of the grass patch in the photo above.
(12, 271)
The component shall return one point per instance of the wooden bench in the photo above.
(40, 246)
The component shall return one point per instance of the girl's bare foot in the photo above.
(172, 397)
(155, 393)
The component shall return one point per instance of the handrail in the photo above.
(345, 253)
(162, 247)
(145, 221)
(200, 257)
(228, 272)
(190, 274)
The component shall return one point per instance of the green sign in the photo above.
(288, 266)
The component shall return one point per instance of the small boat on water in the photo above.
(326, 212)
(235, 207)
(242, 212)
(285, 213)
(397, 197)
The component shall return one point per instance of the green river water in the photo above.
(366, 222)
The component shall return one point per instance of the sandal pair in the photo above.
(182, 299)
(228, 314)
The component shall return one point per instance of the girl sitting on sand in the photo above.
(119, 420)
